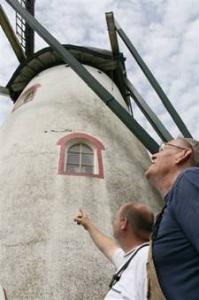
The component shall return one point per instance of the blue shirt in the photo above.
(176, 245)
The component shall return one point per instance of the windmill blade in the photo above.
(4, 91)
(148, 112)
(105, 96)
(24, 31)
(11, 36)
(154, 83)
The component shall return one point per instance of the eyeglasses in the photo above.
(162, 146)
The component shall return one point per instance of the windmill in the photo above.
(63, 149)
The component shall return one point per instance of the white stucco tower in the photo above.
(61, 148)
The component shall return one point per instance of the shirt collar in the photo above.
(134, 249)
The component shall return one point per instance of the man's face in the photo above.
(164, 160)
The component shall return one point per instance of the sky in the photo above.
(164, 32)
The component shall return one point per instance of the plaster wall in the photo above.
(43, 254)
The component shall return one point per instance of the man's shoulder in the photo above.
(137, 266)
(118, 257)
(190, 175)
(141, 255)
(191, 171)
(194, 171)
(185, 189)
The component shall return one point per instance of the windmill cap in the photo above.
(195, 146)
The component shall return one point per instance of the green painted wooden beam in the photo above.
(11, 36)
(175, 116)
(106, 97)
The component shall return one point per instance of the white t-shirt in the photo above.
(133, 282)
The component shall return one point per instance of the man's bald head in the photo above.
(140, 218)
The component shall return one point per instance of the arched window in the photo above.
(80, 158)
(26, 96)
(80, 155)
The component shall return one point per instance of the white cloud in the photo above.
(165, 33)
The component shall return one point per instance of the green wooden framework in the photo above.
(126, 87)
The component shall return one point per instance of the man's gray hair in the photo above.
(195, 147)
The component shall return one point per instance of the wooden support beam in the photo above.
(11, 36)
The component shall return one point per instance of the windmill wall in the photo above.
(43, 254)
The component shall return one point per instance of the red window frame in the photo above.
(85, 138)
(29, 93)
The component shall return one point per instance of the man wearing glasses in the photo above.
(173, 269)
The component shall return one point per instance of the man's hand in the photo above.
(104, 243)
(82, 219)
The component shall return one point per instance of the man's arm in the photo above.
(5, 294)
(104, 243)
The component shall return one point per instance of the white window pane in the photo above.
(74, 148)
(73, 168)
(80, 159)
(86, 149)
(87, 169)
(87, 159)
(73, 158)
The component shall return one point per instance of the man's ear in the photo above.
(124, 224)
(183, 156)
